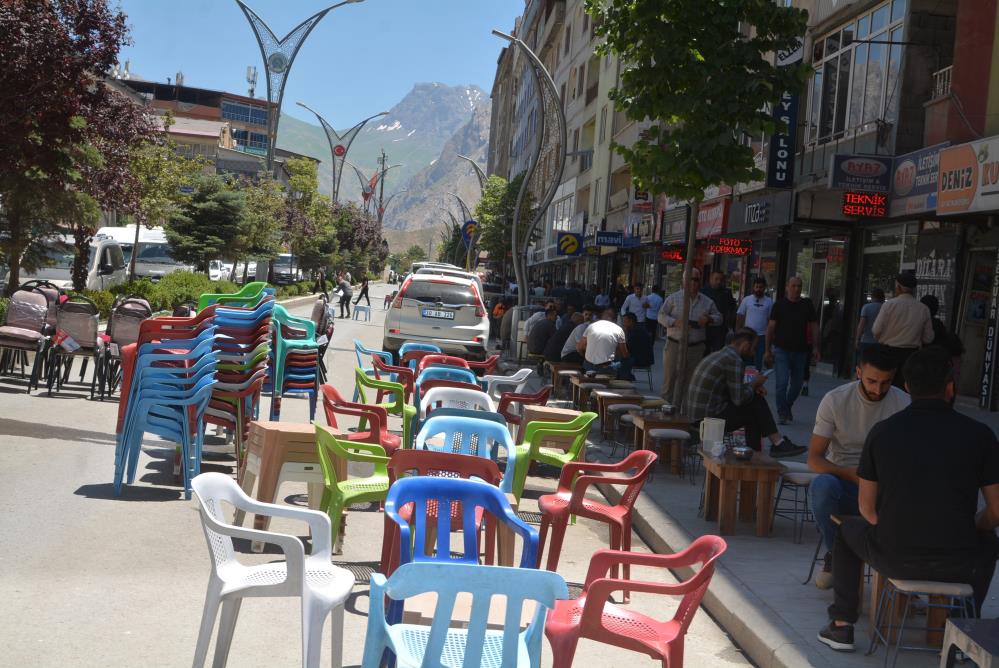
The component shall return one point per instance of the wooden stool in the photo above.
(561, 370)
(671, 450)
(977, 638)
(614, 414)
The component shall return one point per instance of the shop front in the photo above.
(757, 220)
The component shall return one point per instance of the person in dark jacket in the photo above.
(346, 292)
(553, 349)
(720, 294)
(363, 292)
(943, 337)
(638, 341)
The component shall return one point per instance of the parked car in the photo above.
(286, 270)
(153, 259)
(217, 270)
(445, 310)
(105, 269)
(451, 270)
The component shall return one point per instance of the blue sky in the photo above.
(359, 60)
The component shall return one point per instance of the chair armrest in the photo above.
(573, 469)
(599, 591)
(359, 451)
(294, 551)
(603, 559)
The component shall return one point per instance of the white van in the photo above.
(153, 261)
(106, 267)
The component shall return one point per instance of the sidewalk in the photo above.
(757, 594)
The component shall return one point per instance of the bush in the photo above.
(103, 299)
(4, 301)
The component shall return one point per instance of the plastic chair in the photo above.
(409, 346)
(341, 493)
(360, 351)
(248, 294)
(593, 616)
(470, 436)
(375, 416)
(283, 349)
(535, 434)
(509, 399)
(366, 310)
(441, 360)
(450, 397)
(25, 330)
(518, 382)
(395, 374)
(323, 587)
(484, 367)
(397, 406)
(442, 373)
(232, 406)
(570, 499)
(418, 645)
(428, 463)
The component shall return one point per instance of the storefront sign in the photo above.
(730, 246)
(868, 173)
(610, 238)
(936, 267)
(674, 227)
(711, 219)
(969, 177)
(593, 250)
(865, 205)
(674, 254)
(641, 202)
(631, 242)
(914, 181)
(780, 161)
(986, 399)
(757, 213)
(569, 244)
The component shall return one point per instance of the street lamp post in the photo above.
(279, 55)
(467, 213)
(540, 183)
(339, 145)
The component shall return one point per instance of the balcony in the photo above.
(941, 82)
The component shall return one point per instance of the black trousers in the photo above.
(363, 293)
(899, 357)
(573, 357)
(714, 337)
(653, 326)
(855, 546)
(345, 305)
(755, 417)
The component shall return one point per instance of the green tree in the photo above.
(260, 227)
(206, 227)
(450, 245)
(692, 72)
(494, 214)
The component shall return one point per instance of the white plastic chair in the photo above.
(455, 397)
(322, 586)
(517, 381)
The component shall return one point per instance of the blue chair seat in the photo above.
(411, 640)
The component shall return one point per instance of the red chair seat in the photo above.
(558, 504)
(386, 439)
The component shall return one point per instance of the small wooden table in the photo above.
(977, 638)
(751, 482)
(580, 396)
(555, 367)
(618, 397)
(645, 422)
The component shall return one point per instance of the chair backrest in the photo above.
(446, 373)
(407, 347)
(126, 319)
(470, 413)
(469, 436)
(515, 585)
(78, 317)
(360, 351)
(507, 399)
(441, 360)
(465, 497)
(28, 309)
(642, 462)
(334, 403)
(578, 428)
(446, 464)
(449, 397)
(248, 294)
(52, 294)
(441, 382)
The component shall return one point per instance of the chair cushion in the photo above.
(591, 386)
(798, 477)
(932, 588)
(20, 334)
(569, 372)
(653, 403)
(623, 408)
(606, 393)
(670, 434)
(796, 467)
(628, 418)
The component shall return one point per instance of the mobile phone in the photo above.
(767, 373)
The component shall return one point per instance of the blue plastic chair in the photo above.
(442, 373)
(360, 351)
(409, 347)
(470, 436)
(419, 646)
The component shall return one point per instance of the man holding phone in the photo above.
(718, 390)
(703, 312)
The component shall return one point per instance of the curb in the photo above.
(752, 622)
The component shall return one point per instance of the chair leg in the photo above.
(558, 535)
(563, 649)
(313, 620)
(211, 611)
(227, 624)
(336, 640)
(542, 536)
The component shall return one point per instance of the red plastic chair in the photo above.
(539, 398)
(403, 375)
(593, 616)
(447, 464)
(377, 417)
(440, 360)
(485, 367)
(415, 355)
(232, 403)
(570, 499)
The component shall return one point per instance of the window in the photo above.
(562, 93)
(581, 84)
(572, 80)
(568, 38)
(603, 125)
(856, 74)
(586, 22)
(575, 143)
(250, 142)
(237, 111)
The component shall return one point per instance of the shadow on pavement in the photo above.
(53, 431)
(129, 493)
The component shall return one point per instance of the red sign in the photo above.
(711, 219)
(730, 246)
(864, 204)
(339, 150)
(672, 255)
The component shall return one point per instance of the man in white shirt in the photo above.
(754, 313)
(653, 302)
(603, 346)
(569, 353)
(634, 303)
(842, 422)
(703, 312)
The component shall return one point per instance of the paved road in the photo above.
(88, 579)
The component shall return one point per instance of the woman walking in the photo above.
(346, 292)
(363, 292)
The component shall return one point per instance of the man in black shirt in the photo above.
(638, 341)
(792, 319)
(554, 345)
(920, 474)
(541, 332)
(723, 299)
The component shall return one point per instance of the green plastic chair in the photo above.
(397, 406)
(285, 347)
(248, 295)
(531, 451)
(339, 494)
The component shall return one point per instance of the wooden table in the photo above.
(580, 397)
(977, 638)
(555, 367)
(606, 401)
(645, 422)
(750, 482)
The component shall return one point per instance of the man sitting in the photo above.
(718, 390)
(920, 474)
(553, 348)
(536, 319)
(845, 416)
(569, 352)
(603, 346)
(539, 336)
(639, 342)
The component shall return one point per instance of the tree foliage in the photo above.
(64, 130)
(360, 240)
(689, 69)
(494, 214)
(450, 246)
(205, 228)
(260, 231)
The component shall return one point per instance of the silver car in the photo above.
(444, 310)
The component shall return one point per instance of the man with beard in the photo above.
(845, 417)
(754, 313)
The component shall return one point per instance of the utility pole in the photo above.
(383, 161)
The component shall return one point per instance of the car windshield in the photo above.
(57, 258)
(126, 251)
(283, 261)
(156, 253)
(434, 292)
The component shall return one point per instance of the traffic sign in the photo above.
(468, 231)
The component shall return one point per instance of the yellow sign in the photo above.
(569, 243)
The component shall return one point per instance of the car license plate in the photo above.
(435, 313)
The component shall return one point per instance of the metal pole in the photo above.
(335, 140)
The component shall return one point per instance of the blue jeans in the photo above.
(621, 368)
(829, 495)
(761, 344)
(790, 371)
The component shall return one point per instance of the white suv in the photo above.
(444, 310)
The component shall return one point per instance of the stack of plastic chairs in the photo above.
(295, 368)
(323, 318)
(171, 384)
(242, 349)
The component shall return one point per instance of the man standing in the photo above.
(920, 475)
(787, 345)
(718, 389)
(653, 302)
(719, 293)
(903, 323)
(703, 312)
(603, 346)
(754, 313)
(633, 304)
(864, 336)
(845, 416)
(638, 341)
